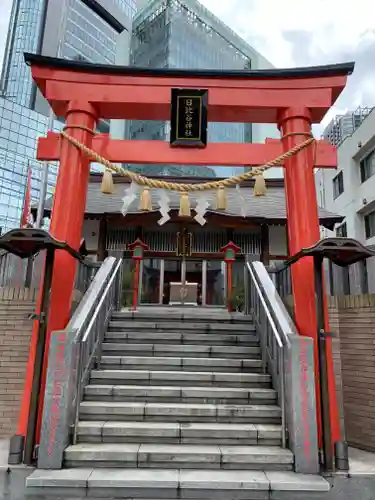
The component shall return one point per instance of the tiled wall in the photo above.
(15, 333)
(352, 318)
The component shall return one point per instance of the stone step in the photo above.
(191, 338)
(188, 350)
(189, 484)
(179, 378)
(176, 326)
(188, 314)
(175, 394)
(175, 432)
(179, 412)
(181, 364)
(178, 455)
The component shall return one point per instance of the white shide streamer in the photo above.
(242, 201)
(201, 208)
(164, 207)
(130, 195)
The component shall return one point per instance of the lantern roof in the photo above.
(341, 251)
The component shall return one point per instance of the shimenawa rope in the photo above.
(182, 187)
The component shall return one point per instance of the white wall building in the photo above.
(350, 191)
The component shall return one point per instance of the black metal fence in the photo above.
(86, 272)
(282, 279)
(27, 273)
(350, 280)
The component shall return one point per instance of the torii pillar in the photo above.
(303, 232)
(66, 225)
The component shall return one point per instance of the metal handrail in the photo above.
(273, 336)
(102, 301)
(89, 326)
(264, 304)
(90, 300)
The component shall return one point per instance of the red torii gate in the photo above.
(293, 99)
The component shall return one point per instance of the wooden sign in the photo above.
(184, 244)
(189, 118)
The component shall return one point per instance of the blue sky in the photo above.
(298, 33)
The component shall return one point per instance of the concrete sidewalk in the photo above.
(4, 448)
(362, 463)
(358, 485)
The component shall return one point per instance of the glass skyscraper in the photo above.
(184, 34)
(74, 29)
(24, 27)
(87, 30)
(20, 128)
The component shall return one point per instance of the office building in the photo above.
(343, 126)
(350, 191)
(184, 34)
(73, 29)
(92, 30)
(20, 128)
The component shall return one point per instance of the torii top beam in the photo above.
(125, 92)
(142, 93)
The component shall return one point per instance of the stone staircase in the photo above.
(179, 401)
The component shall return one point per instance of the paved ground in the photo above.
(359, 486)
(3, 453)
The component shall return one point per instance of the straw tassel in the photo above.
(145, 203)
(107, 186)
(260, 185)
(185, 209)
(221, 199)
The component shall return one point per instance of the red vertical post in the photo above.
(67, 220)
(136, 285)
(66, 225)
(303, 231)
(229, 285)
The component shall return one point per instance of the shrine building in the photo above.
(256, 224)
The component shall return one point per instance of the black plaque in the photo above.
(189, 118)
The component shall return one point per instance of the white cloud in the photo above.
(332, 25)
(299, 33)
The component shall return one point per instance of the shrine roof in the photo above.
(303, 72)
(268, 209)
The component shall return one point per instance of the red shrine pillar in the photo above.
(303, 231)
(67, 220)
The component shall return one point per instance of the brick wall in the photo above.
(352, 318)
(15, 331)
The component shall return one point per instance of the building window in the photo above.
(342, 231)
(367, 166)
(370, 225)
(338, 185)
